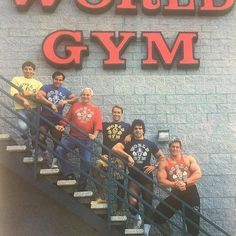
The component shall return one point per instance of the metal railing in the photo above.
(111, 181)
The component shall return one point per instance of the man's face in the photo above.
(86, 96)
(116, 114)
(28, 72)
(175, 149)
(58, 81)
(138, 132)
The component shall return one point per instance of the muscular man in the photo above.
(26, 107)
(113, 132)
(179, 172)
(87, 117)
(138, 153)
(55, 96)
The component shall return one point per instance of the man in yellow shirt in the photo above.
(28, 87)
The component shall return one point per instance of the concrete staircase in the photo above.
(19, 159)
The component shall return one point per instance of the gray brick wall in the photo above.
(198, 105)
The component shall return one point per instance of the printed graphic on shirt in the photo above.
(55, 96)
(115, 131)
(84, 114)
(139, 152)
(179, 172)
(27, 87)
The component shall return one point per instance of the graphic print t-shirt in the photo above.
(141, 151)
(25, 84)
(55, 95)
(114, 133)
(87, 117)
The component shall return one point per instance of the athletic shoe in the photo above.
(146, 229)
(54, 163)
(136, 221)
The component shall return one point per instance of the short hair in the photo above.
(175, 140)
(117, 106)
(138, 122)
(58, 73)
(87, 89)
(28, 63)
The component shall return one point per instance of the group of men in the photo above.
(176, 171)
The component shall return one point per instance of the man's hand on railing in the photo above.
(149, 169)
(26, 104)
(62, 103)
(92, 136)
(130, 161)
(60, 128)
(54, 107)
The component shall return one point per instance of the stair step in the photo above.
(118, 220)
(84, 196)
(4, 137)
(54, 171)
(16, 148)
(100, 208)
(67, 185)
(62, 183)
(134, 232)
(30, 160)
(50, 174)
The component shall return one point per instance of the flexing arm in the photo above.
(162, 178)
(195, 170)
(119, 149)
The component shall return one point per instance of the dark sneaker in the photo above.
(70, 177)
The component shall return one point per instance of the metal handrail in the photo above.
(110, 177)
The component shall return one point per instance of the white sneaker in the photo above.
(137, 221)
(54, 163)
(146, 229)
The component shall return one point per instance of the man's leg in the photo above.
(192, 198)
(85, 149)
(135, 216)
(163, 212)
(62, 149)
(147, 197)
(21, 124)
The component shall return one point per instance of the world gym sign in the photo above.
(157, 49)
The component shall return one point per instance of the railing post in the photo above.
(109, 186)
(36, 139)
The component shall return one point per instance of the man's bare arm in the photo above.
(195, 171)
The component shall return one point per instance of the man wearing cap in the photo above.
(180, 173)
(86, 120)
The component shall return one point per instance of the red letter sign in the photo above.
(113, 48)
(128, 7)
(94, 8)
(73, 53)
(48, 5)
(157, 44)
(209, 7)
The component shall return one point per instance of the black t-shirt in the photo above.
(141, 151)
(114, 133)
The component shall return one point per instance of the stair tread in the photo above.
(134, 231)
(118, 218)
(4, 137)
(83, 194)
(99, 206)
(66, 182)
(16, 148)
(31, 159)
(49, 171)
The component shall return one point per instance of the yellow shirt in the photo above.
(30, 85)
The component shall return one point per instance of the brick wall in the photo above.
(198, 105)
